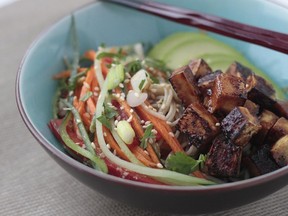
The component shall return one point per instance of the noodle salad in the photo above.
(130, 116)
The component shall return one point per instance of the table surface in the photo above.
(31, 183)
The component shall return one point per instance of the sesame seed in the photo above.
(153, 90)
(147, 122)
(142, 121)
(130, 118)
(110, 104)
(217, 124)
(78, 121)
(121, 85)
(126, 81)
(85, 84)
(96, 88)
(105, 134)
(159, 165)
(71, 93)
(67, 109)
(131, 110)
(121, 108)
(154, 131)
(171, 134)
(95, 94)
(93, 145)
(108, 146)
(116, 122)
(114, 152)
(146, 152)
(163, 106)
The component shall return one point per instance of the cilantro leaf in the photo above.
(109, 112)
(105, 121)
(86, 96)
(109, 55)
(147, 135)
(133, 66)
(182, 163)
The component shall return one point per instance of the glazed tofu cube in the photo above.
(279, 151)
(199, 125)
(281, 108)
(228, 92)
(252, 107)
(267, 119)
(185, 86)
(279, 129)
(239, 126)
(206, 82)
(262, 93)
(260, 162)
(224, 158)
(198, 68)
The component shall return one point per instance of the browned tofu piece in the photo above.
(198, 68)
(262, 93)
(281, 108)
(185, 86)
(224, 158)
(228, 92)
(239, 70)
(279, 129)
(205, 83)
(279, 151)
(252, 107)
(260, 162)
(267, 119)
(239, 126)
(199, 125)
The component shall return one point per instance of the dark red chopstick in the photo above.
(267, 38)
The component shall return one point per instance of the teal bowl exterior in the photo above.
(114, 25)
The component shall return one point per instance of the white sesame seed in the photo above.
(121, 85)
(126, 81)
(96, 88)
(147, 122)
(130, 118)
(71, 93)
(153, 90)
(85, 84)
(131, 110)
(163, 106)
(108, 146)
(159, 165)
(102, 155)
(121, 108)
(67, 108)
(95, 94)
(110, 104)
(118, 95)
(122, 98)
(115, 152)
(146, 152)
(116, 122)
(78, 121)
(105, 134)
(93, 145)
(142, 121)
(154, 131)
(171, 134)
(217, 124)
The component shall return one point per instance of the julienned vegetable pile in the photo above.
(133, 117)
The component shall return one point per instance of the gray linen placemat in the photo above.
(31, 183)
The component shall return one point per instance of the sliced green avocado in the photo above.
(178, 49)
(171, 42)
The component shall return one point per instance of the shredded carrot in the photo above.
(162, 128)
(113, 144)
(143, 157)
(91, 105)
(90, 54)
(62, 75)
(198, 174)
(135, 122)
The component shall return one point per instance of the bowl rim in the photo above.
(79, 166)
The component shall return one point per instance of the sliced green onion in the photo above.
(166, 176)
(115, 76)
(101, 166)
(125, 131)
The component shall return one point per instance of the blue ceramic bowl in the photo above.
(103, 22)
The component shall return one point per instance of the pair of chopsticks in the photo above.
(264, 37)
